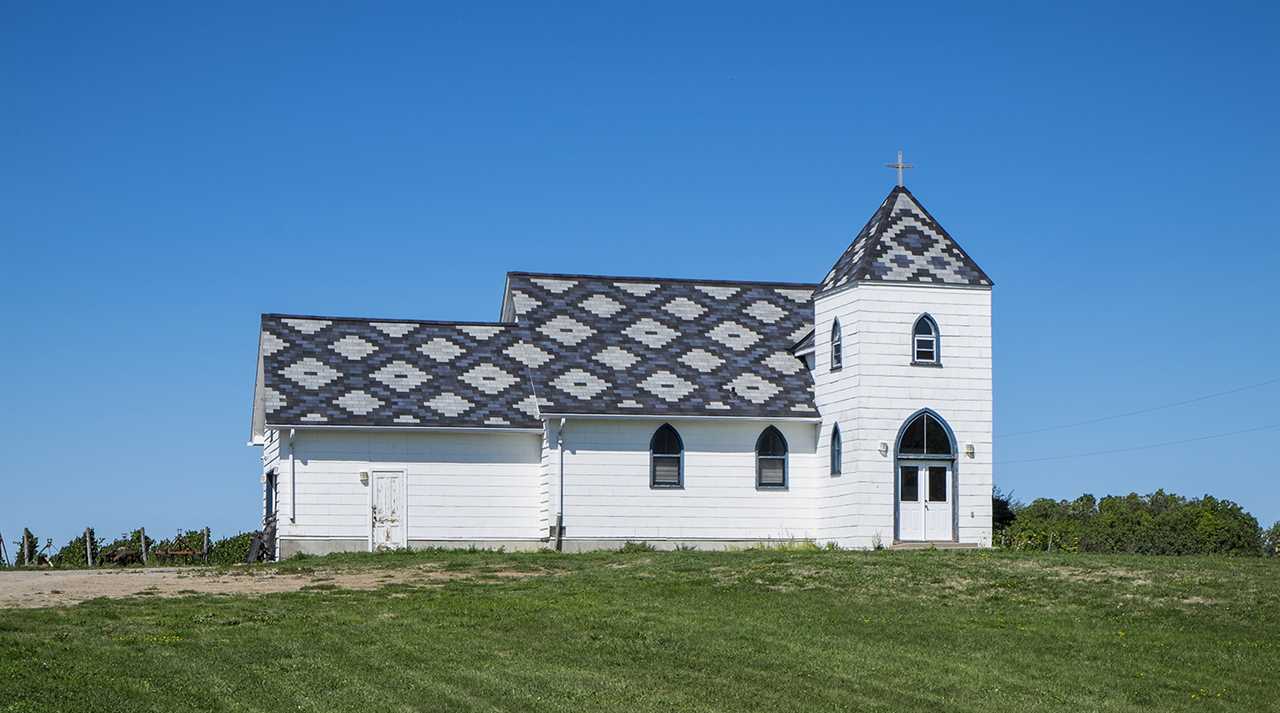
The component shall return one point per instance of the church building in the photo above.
(599, 410)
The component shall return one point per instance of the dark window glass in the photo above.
(271, 494)
(936, 441)
(666, 441)
(924, 327)
(913, 437)
(666, 470)
(910, 491)
(837, 352)
(837, 451)
(937, 484)
(773, 471)
(771, 458)
(666, 466)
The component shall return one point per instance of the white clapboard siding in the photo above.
(607, 494)
(460, 486)
(878, 389)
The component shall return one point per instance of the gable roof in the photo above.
(657, 346)
(903, 243)
(336, 371)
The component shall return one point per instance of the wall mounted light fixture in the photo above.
(364, 477)
(968, 450)
(884, 449)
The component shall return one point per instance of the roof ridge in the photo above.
(391, 320)
(688, 280)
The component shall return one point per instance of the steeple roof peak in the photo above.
(903, 243)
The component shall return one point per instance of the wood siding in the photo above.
(607, 493)
(460, 486)
(878, 389)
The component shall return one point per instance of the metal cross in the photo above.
(899, 165)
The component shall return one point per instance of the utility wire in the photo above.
(1141, 448)
(1139, 412)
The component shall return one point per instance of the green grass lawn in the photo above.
(760, 630)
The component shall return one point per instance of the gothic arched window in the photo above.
(666, 458)
(837, 343)
(837, 450)
(771, 459)
(924, 341)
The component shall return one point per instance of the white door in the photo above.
(910, 507)
(388, 510)
(936, 492)
(924, 501)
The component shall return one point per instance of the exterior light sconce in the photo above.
(968, 450)
(364, 477)
(884, 449)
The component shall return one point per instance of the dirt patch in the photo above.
(54, 588)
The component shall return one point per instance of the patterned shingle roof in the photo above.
(361, 372)
(620, 345)
(903, 243)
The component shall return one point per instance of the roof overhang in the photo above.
(406, 429)
(679, 417)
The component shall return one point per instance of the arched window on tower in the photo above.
(925, 344)
(837, 346)
(837, 450)
(925, 436)
(771, 459)
(666, 458)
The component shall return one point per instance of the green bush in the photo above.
(1158, 524)
(72, 554)
(1003, 509)
(1271, 540)
(231, 550)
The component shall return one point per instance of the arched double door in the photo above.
(925, 487)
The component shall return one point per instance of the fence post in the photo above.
(142, 534)
(204, 550)
(88, 545)
(4, 554)
(25, 537)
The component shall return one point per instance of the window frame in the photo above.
(785, 458)
(934, 336)
(837, 451)
(653, 471)
(837, 346)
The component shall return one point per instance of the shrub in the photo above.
(1003, 509)
(632, 547)
(72, 554)
(1160, 524)
(1271, 540)
(231, 550)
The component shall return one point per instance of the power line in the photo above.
(1139, 412)
(1142, 448)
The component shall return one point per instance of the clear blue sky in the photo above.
(168, 174)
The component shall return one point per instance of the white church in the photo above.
(599, 410)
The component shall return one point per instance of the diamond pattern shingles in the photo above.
(357, 372)
(665, 347)
(903, 243)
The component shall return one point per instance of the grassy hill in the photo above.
(760, 630)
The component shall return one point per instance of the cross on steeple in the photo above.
(899, 165)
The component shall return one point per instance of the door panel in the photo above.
(910, 508)
(937, 523)
(388, 510)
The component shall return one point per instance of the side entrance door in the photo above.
(924, 501)
(388, 510)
